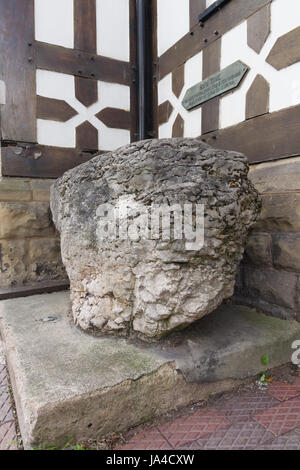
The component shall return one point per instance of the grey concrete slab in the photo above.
(230, 343)
(70, 386)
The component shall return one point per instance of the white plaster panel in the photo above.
(2, 92)
(55, 85)
(109, 138)
(114, 95)
(234, 47)
(61, 86)
(165, 93)
(192, 123)
(54, 22)
(234, 44)
(192, 119)
(284, 84)
(193, 70)
(173, 22)
(113, 35)
(285, 89)
(192, 75)
(285, 16)
(164, 88)
(57, 134)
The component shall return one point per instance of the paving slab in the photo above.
(230, 342)
(282, 418)
(70, 386)
(239, 436)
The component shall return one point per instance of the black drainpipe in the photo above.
(212, 9)
(144, 69)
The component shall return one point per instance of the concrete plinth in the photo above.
(70, 386)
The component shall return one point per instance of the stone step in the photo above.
(70, 386)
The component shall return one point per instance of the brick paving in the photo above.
(190, 428)
(8, 434)
(247, 419)
(152, 438)
(240, 408)
(238, 436)
(283, 391)
(282, 418)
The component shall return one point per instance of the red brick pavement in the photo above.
(8, 435)
(241, 420)
(191, 428)
(284, 391)
(3, 375)
(148, 440)
(238, 436)
(282, 418)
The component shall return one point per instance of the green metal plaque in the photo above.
(216, 85)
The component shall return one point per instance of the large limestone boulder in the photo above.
(129, 277)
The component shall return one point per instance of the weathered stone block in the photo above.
(27, 261)
(42, 248)
(13, 269)
(25, 220)
(259, 249)
(147, 285)
(280, 213)
(45, 262)
(287, 251)
(41, 189)
(14, 189)
(269, 285)
(283, 175)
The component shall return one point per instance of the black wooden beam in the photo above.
(25, 291)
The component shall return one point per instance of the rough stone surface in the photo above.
(13, 262)
(14, 189)
(281, 175)
(30, 261)
(41, 189)
(70, 386)
(273, 286)
(269, 276)
(280, 213)
(150, 287)
(29, 243)
(44, 259)
(287, 251)
(25, 220)
(259, 249)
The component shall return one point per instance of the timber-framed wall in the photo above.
(265, 35)
(69, 73)
(184, 53)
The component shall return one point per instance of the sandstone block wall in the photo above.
(29, 243)
(269, 277)
(270, 272)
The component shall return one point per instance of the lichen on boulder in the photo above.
(145, 284)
